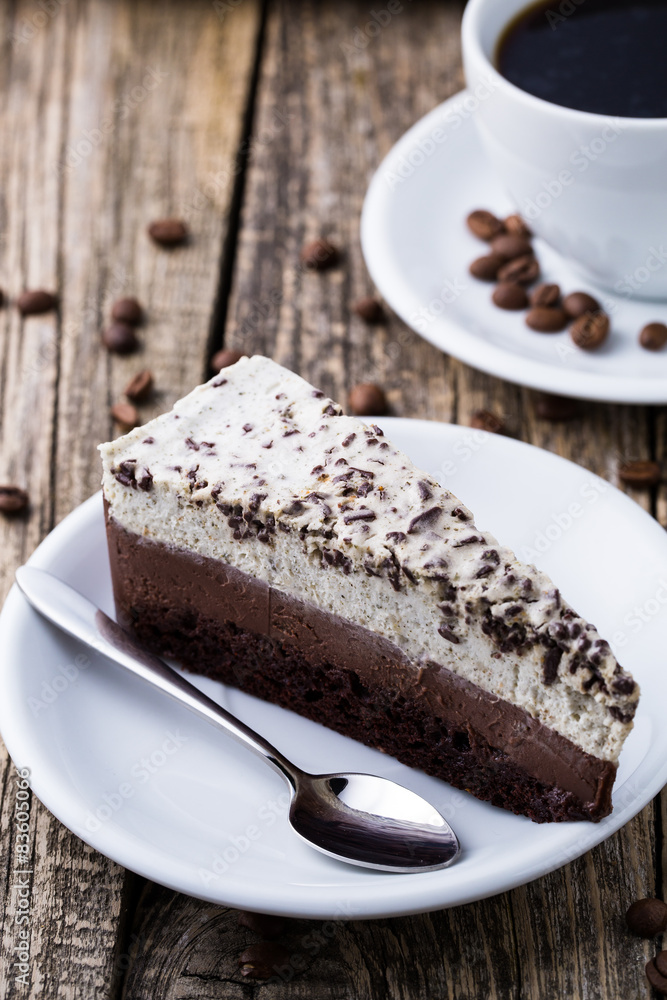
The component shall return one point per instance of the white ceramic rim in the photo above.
(452, 337)
(389, 896)
(473, 17)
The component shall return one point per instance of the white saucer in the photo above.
(182, 805)
(417, 248)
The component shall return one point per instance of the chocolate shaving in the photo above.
(360, 515)
(127, 475)
(447, 633)
(319, 498)
(623, 685)
(424, 520)
(550, 665)
(461, 514)
(397, 536)
(484, 571)
(622, 716)
(256, 499)
(467, 541)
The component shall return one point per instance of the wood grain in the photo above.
(112, 115)
(333, 96)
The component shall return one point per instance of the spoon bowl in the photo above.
(371, 821)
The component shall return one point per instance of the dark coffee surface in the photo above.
(605, 56)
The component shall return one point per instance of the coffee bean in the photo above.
(139, 388)
(262, 960)
(168, 232)
(654, 336)
(647, 917)
(640, 473)
(556, 408)
(486, 268)
(367, 400)
(37, 302)
(225, 358)
(656, 979)
(661, 962)
(522, 270)
(484, 420)
(120, 338)
(127, 311)
(515, 225)
(547, 319)
(318, 255)
(262, 923)
(484, 224)
(590, 330)
(369, 309)
(577, 303)
(13, 499)
(545, 295)
(125, 415)
(508, 295)
(509, 246)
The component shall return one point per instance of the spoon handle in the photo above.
(76, 615)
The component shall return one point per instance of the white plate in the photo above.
(84, 736)
(417, 248)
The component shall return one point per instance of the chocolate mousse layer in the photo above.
(218, 621)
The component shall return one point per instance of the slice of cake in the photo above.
(260, 537)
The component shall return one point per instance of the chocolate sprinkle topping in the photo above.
(360, 515)
(447, 633)
(424, 520)
(550, 665)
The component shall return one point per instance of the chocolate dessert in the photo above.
(259, 536)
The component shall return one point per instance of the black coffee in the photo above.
(607, 56)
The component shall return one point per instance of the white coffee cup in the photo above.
(594, 187)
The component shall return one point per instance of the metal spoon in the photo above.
(359, 818)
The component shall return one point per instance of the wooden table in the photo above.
(261, 127)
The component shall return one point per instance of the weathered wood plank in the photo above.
(562, 935)
(185, 945)
(112, 115)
